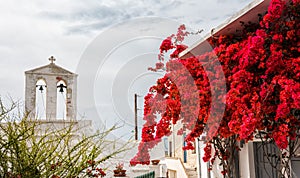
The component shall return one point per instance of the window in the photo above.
(170, 149)
(166, 146)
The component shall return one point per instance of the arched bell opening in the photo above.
(40, 99)
(61, 112)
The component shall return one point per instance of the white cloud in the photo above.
(32, 31)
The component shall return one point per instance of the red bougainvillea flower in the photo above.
(166, 45)
(262, 73)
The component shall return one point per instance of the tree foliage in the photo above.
(29, 149)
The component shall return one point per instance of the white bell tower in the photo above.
(55, 80)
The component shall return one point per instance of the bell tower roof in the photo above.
(51, 68)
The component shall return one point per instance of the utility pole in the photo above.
(135, 117)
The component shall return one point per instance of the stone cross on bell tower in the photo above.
(53, 76)
(52, 59)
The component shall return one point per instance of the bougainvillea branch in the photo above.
(262, 81)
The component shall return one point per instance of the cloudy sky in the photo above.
(32, 31)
